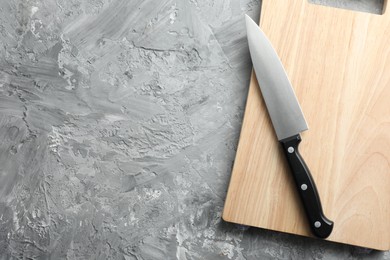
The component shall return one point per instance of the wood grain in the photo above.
(339, 64)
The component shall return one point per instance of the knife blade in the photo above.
(288, 122)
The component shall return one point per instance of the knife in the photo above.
(288, 121)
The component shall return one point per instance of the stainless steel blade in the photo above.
(282, 104)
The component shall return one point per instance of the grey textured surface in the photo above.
(370, 6)
(119, 122)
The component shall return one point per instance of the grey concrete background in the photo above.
(119, 122)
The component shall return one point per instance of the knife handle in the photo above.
(319, 224)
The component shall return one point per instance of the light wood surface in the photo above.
(339, 64)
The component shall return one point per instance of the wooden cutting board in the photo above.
(339, 64)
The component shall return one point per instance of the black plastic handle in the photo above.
(319, 224)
